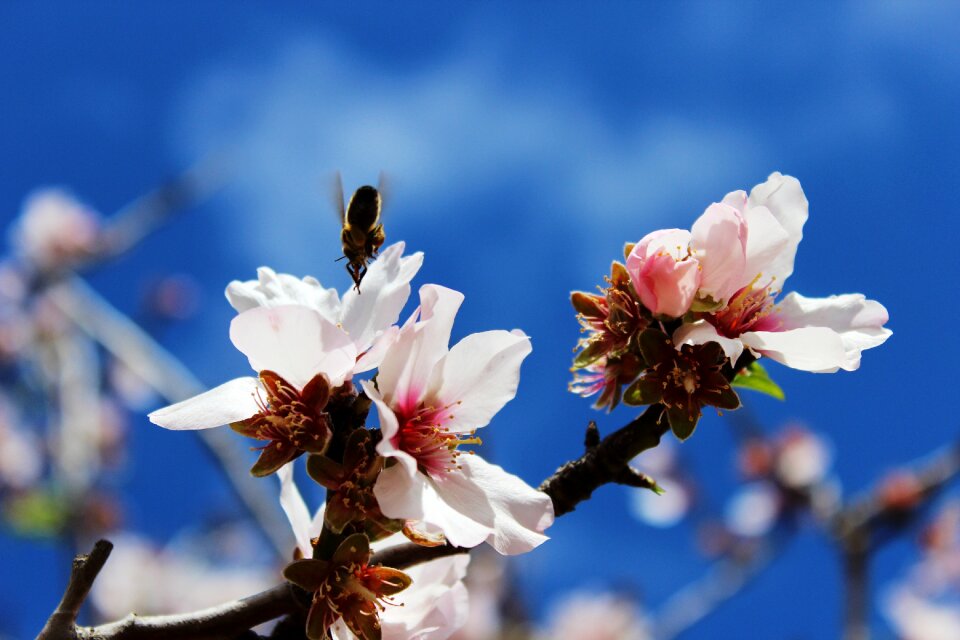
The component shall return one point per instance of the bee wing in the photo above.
(336, 195)
(384, 187)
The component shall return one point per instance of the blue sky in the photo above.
(524, 144)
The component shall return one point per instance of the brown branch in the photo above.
(606, 461)
(223, 621)
(62, 624)
(856, 527)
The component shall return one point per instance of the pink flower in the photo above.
(663, 272)
(811, 334)
(431, 400)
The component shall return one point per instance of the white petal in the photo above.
(766, 241)
(406, 368)
(373, 356)
(296, 509)
(434, 607)
(514, 513)
(384, 291)
(273, 289)
(400, 494)
(816, 349)
(295, 342)
(230, 402)
(858, 321)
(702, 332)
(477, 377)
(784, 198)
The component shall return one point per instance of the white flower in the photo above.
(430, 401)
(366, 316)
(746, 274)
(294, 342)
(55, 229)
(596, 616)
(433, 607)
(300, 357)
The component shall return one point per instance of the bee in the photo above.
(362, 234)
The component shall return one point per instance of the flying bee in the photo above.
(362, 234)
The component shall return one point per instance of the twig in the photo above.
(62, 624)
(223, 621)
(725, 579)
(157, 367)
(856, 529)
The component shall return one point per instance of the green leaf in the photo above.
(755, 377)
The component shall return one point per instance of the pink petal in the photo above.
(384, 291)
(719, 243)
(477, 378)
(663, 275)
(230, 402)
(295, 342)
(816, 349)
(389, 429)
(408, 363)
(858, 321)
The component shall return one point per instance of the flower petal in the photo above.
(272, 289)
(230, 402)
(783, 197)
(513, 513)
(296, 510)
(406, 368)
(373, 356)
(702, 332)
(386, 287)
(434, 606)
(662, 273)
(478, 377)
(816, 349)
(295, 342)
(858, 321)
(719, 243)
(389, 445)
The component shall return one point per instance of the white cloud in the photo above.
(444, 132)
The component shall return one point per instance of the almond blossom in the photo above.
(433, 607)
(745, 247)
(367, 318)
(431, 400)
(301, 358)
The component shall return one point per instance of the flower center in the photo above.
(748, 310)
(425, 437)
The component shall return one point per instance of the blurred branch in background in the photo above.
(165, 374)
(63, 322)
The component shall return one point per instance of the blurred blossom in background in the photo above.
(523, 145)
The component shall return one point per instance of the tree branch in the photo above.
(62, 624)
(223, 621)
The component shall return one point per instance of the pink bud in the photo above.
(663, 273)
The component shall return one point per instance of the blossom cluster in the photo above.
(690, 308)
(414, 477)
